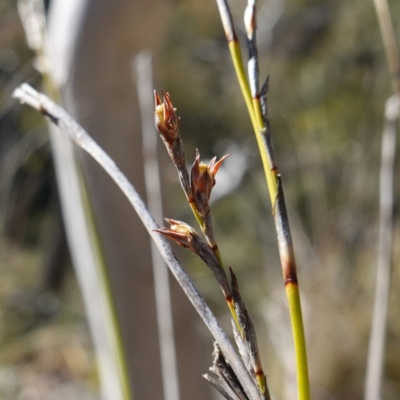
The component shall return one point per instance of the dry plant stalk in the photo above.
(64, 121)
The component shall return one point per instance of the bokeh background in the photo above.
(328, 85)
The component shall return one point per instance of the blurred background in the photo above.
(329, 82)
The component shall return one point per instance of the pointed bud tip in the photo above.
(166, 120)
(157, 99)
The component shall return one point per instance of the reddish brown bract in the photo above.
(203, 180)
(166, 120)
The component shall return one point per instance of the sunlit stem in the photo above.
(293, 295)
(261, 382)
(234, 316)
(292, 290)
(255, 115)
(199, 218)
(270, 174)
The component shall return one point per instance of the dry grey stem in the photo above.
(64, 121)
(225, 373)
(247, 342)
(217, 385)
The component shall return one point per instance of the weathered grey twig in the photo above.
(375, 363)
(214, 382)
(59, 117)
(225, 373)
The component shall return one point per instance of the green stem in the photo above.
(255, 116)
(292, 290)
(198, 217)
(303, 385)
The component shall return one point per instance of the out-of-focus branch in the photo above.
(143, 76)
(59, 117)
(84, 245)
(375, 363)
(376, 351)
(389, 41)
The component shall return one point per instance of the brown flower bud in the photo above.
(181, 233)
(187, 237)
(166, 120)
(202, 182)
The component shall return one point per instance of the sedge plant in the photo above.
(235, 378)
(256, 102)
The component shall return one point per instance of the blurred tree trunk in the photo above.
(93, 71)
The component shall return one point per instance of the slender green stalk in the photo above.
(255, 116)
(293, 295)
(198, 217)
(271, 176)
(276, 195)
(288, 263)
